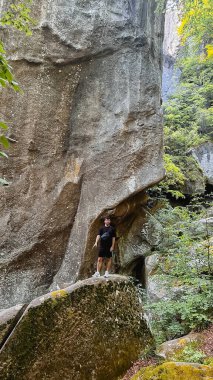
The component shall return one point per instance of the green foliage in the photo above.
(186, 240)
(186, 249)
(6, 79)
(174, 178)
(175, 318)
(188, 122)
(208, 361)
(186, 262)
(190, 353)
(6, 76)
(190, 108)
(196, 23)
(18, 17)
(188, 113)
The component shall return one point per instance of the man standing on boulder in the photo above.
(106, 236)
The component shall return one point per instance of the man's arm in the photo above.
(113, 244)
(97, 240)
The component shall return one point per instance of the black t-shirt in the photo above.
(106, 234)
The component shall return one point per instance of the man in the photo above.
(106, 236)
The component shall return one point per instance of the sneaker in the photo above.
(96, 274)
(106, 274)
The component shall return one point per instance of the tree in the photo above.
(196, 24)
(188, 113)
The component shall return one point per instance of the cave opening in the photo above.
(209, 190)
(137, 270)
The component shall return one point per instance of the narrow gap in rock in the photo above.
(12, 327)
(209, 189)
(137, 270)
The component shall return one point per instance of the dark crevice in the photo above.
(12, 327)
(136, 269)
(139, 271)
(209, 190)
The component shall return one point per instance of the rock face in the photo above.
(171, 46)
(8, 318)
(204, 156)
(138, 239)
(172, 348)
(86, 135)
(91, 330)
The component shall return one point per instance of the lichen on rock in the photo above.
(175, 371)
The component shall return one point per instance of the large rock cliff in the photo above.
(171, 48)
(86, 135)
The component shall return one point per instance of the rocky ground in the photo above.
(139, 364)
(206, 347)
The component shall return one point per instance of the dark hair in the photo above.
(106, 217)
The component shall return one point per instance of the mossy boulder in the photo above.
(175, 371)
(91, 330)
(172, 349)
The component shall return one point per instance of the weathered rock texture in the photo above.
(204, 156)
(171, 47)
(139, 236)
(8, 318)
(91, 330)
(87, 132)
(173, 348)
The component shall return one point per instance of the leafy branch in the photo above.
(18, 17)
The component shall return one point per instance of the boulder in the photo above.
(91, 330)
(204, 156)
(139, 237)
(195, 182)
(86, 135)
(162, 288)
(201, 257)
(168, 350)
(175, 371)
(151, 264)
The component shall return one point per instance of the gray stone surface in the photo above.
(171, 47)
(168, 349)
(162, 288)
(201, 255)
(93, 329)
(87, 131)
(151, 264)
(7, 318)
(204, 156)
(138, 239)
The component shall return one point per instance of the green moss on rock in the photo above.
(92, 331)
(175, 371)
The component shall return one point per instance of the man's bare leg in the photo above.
(99, 264)
(108, 264)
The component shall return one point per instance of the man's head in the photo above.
(107, 220)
